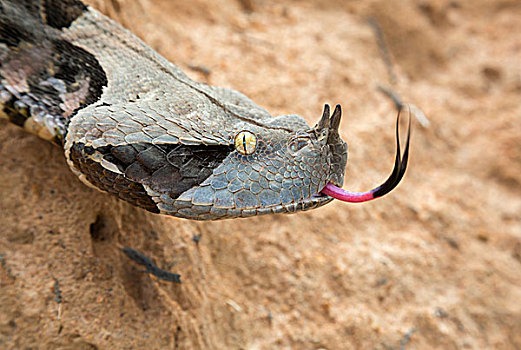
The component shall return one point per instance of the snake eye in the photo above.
(245, 142)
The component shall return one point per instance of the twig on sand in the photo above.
(406, 338)
(151, 267)
(58, 297)
(382, 46)
(6, 268)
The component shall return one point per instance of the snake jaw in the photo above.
(400, 165)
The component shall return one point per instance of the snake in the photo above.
(134, 125)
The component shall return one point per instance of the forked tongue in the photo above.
(400, 164)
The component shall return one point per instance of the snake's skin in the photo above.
(134, 125)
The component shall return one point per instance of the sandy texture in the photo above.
(434, 265)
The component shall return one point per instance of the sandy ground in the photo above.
(434, 265)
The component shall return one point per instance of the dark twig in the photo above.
(201, 69)
(58, 299)
(151, 267)
(197, 238)
(382, 46)
(3, 263)
(57, 292)
(406, 338)
(176, 336)
(397, 100)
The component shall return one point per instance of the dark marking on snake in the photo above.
(20, 22)
(48, 77)
(75, 65)
(58, 14)
(16, 110)
(116, 184)
(167, 168)
(61, 13)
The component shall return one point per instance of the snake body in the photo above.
(134, 125)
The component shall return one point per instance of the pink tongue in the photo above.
(400, 165)
(347, 196)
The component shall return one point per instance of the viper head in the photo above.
(280, 166)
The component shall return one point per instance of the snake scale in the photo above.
(134, 125)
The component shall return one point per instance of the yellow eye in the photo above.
(245, 142)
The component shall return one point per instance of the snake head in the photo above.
(246, 167)
(280, 166)
(275, 165)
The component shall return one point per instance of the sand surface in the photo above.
(434, 265)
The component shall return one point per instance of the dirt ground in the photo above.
(434, 265)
